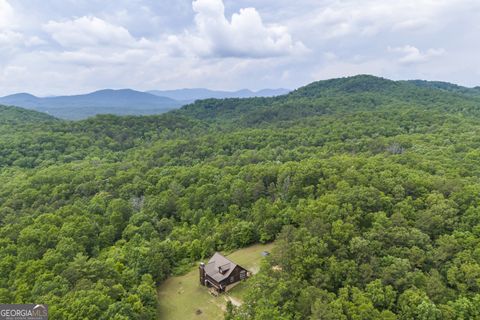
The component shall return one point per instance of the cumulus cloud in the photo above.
(8, 36)
(90, 41)
(411, 54)
(244, 35)
(12, 39)
(372, 17)
(6, 15)
(88, 31)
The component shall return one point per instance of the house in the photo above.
(221, 273)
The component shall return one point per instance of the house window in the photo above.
(232, 279)
(243, 274)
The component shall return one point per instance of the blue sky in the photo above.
(71, 46)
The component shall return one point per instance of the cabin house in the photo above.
(221, 273)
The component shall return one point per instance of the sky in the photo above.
(54, 47)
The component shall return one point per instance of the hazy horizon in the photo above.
(144, 91)
(220, 90)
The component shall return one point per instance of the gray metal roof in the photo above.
(219, 263)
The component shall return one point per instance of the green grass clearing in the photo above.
(180, 297)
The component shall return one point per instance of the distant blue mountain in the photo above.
(120, 102)
(191, 95)
(124, 101)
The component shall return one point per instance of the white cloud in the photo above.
(34, 41)
(10, 38)
(368, 18)
(6, 15)
(88, 31)
(412, 54)
(244, 35)
(90, 44)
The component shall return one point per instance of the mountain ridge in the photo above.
(192, 94)
(334, 95)
(107, 101)
(122, 101)
(132, 102)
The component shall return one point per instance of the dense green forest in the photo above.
(370, 188)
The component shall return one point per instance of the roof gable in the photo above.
(219, 267)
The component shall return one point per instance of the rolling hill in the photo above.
(14, 115)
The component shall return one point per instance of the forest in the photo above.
(370, 188)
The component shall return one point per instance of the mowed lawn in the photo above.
(183, 298)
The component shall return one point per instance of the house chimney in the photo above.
(201, 268)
